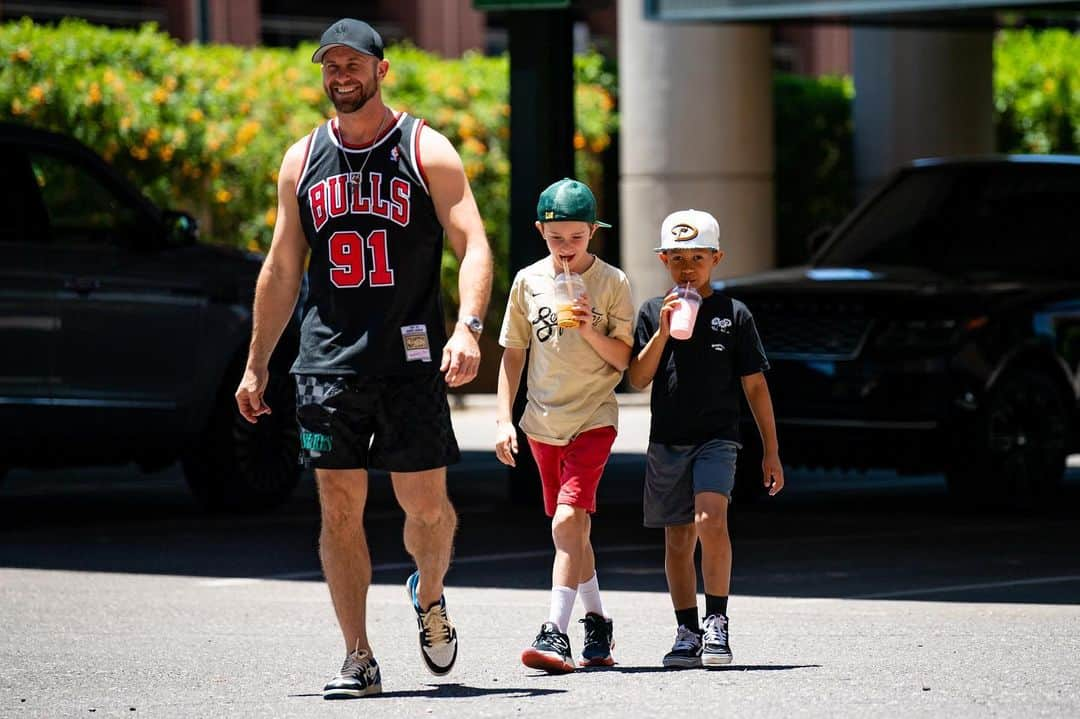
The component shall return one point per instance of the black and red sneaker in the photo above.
(550, 652)
(598, 641)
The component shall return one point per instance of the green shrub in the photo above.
(814, 158)
(204, 128)
(1037, 91)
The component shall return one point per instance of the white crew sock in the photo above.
(590, 597)
(562, 605)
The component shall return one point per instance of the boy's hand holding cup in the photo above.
(671, 302)
(685, 313)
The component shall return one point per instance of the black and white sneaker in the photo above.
(686, 651)
(359, 677)
(438, 637)
(598, 641)
(715, 652)
(550, 652)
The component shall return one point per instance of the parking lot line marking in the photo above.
(392, 566)
(968, 587)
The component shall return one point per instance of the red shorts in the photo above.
(571, 473)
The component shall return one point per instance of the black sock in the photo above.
(688, 618)
(715, 605)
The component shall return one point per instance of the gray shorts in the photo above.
(675, 473)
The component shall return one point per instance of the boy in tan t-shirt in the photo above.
(571, 416)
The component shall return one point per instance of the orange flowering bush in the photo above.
(204, 127)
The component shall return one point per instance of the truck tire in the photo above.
(1015, 450)
(242, 467)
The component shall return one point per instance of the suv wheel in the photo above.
(1017, 446)
(241, 466)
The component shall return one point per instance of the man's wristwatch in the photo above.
(474, 323)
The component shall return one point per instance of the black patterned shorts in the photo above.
(396, 424)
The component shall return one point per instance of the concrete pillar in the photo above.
(920, 93)
(180, 19)
(236, 22)
(447, 27)
(695, 103)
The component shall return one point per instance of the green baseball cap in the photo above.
(568, 200)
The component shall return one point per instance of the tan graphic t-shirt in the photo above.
(571, 389)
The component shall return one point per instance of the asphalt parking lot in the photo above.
(853, 595)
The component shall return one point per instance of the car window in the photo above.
(22, 216)
(1019, 218)
(82, 209)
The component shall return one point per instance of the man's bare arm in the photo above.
(277, 288)
(459, 216)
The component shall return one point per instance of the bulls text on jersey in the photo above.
(335, 196)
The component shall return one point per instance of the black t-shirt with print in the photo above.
(696, 389)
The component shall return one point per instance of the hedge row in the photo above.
(204, 127)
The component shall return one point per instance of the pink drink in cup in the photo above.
(685, 314)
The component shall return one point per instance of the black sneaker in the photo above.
(438, 637)
(359, 677)
(686, 652)
(716, 651)
(550, 652)
(598, 641)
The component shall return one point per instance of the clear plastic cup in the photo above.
(568, 287)
(685, 314)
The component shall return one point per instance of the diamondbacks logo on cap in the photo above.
(684, 232)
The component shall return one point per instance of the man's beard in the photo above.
(344, 107)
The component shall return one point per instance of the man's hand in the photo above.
(460, 357)
(249, 395)
(506, 445)
(772, 473)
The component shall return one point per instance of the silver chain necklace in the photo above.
(356, 177)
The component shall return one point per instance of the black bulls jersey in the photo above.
(374, 305)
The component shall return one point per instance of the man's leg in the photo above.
(343, 550)
(430, 524)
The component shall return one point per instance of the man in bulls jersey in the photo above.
(364, 201)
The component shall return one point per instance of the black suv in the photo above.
(122, 338)
(937, 329)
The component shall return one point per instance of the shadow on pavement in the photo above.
(862, 536)
(458, 691)
(730, 668)
(451, 691)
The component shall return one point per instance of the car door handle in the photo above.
(82, 285)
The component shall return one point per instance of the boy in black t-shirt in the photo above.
(694, 432)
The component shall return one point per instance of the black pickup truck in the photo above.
(122, 338)
(937, 329)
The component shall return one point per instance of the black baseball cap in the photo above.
(355, 34)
